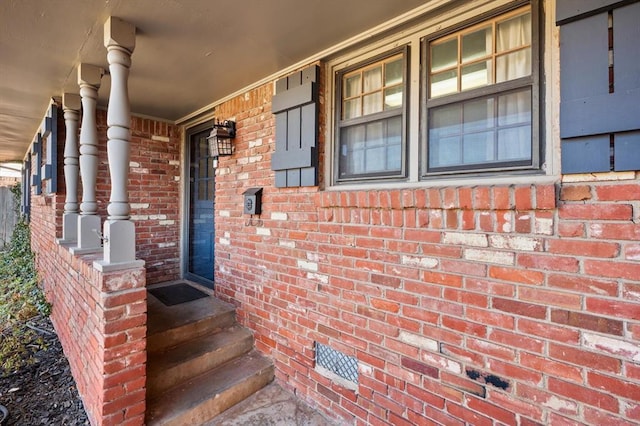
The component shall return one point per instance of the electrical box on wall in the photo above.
(253, 201)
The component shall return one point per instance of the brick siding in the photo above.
(510, 304)
(154, 192)
(101, 318)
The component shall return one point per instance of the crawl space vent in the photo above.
(336, 362)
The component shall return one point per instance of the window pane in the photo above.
(470, 129)
(445, 143)
(478, 148)
(212, 190)
(476, 45)
(372, 103)
(445, 152)
(514, 108)
(202, 190)
(476, 75)
(375, 150)
(370, 91)
(446, 121)
(394, 144)
(393, 73)
(514, 143)
(478, 115)
(444, 83)
(513, 33)
(373, 79)
(444, 55)
(393, 97)
(352, 86)
(514, 118)
(351, 148)
(503, 55)
(352, 109)
(488, 130)
(372, 148)
(513, 65)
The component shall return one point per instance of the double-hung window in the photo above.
(472, 108)
(480, 105)
(371, 119)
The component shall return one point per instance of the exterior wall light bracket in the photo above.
(220, 139)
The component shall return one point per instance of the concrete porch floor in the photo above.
(271, 406)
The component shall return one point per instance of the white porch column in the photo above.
(119, 231)
(71, 108)
(89, 77)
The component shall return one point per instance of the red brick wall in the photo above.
(101, 318)
(479, 304)
(154, 185)
(154, 191)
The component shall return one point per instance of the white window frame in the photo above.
(414, 36)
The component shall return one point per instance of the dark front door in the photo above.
(200, 246)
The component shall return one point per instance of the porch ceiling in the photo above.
(189, 53)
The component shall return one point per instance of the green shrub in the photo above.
(20, 299)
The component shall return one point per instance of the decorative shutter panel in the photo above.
(591, 117)
(26, 188)
(570, 10)
(295, 105)
(36, 151)
(49, 133)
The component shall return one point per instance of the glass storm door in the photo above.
(200, 248)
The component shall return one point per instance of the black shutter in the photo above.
(600, 99)
(49, 132)
(26, 188)
(295, 105)
(36, 151)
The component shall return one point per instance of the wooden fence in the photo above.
(8, 217)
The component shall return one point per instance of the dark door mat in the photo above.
(176, 294)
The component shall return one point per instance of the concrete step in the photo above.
(169, 326)
(198, 400)
(194, 357)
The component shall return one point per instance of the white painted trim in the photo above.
(199, 119)
(494, 180)
(104, 266)
(550, 80)
(77, 251)
(184, 191)
(183, 209)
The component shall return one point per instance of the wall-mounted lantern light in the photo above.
(220, 138)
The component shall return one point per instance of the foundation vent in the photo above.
(337, 363)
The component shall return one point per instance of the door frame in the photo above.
(186, 200)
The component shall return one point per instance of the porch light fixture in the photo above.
(220, 138)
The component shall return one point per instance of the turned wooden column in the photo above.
(119, 231)
(71, 108)
(89, 225)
